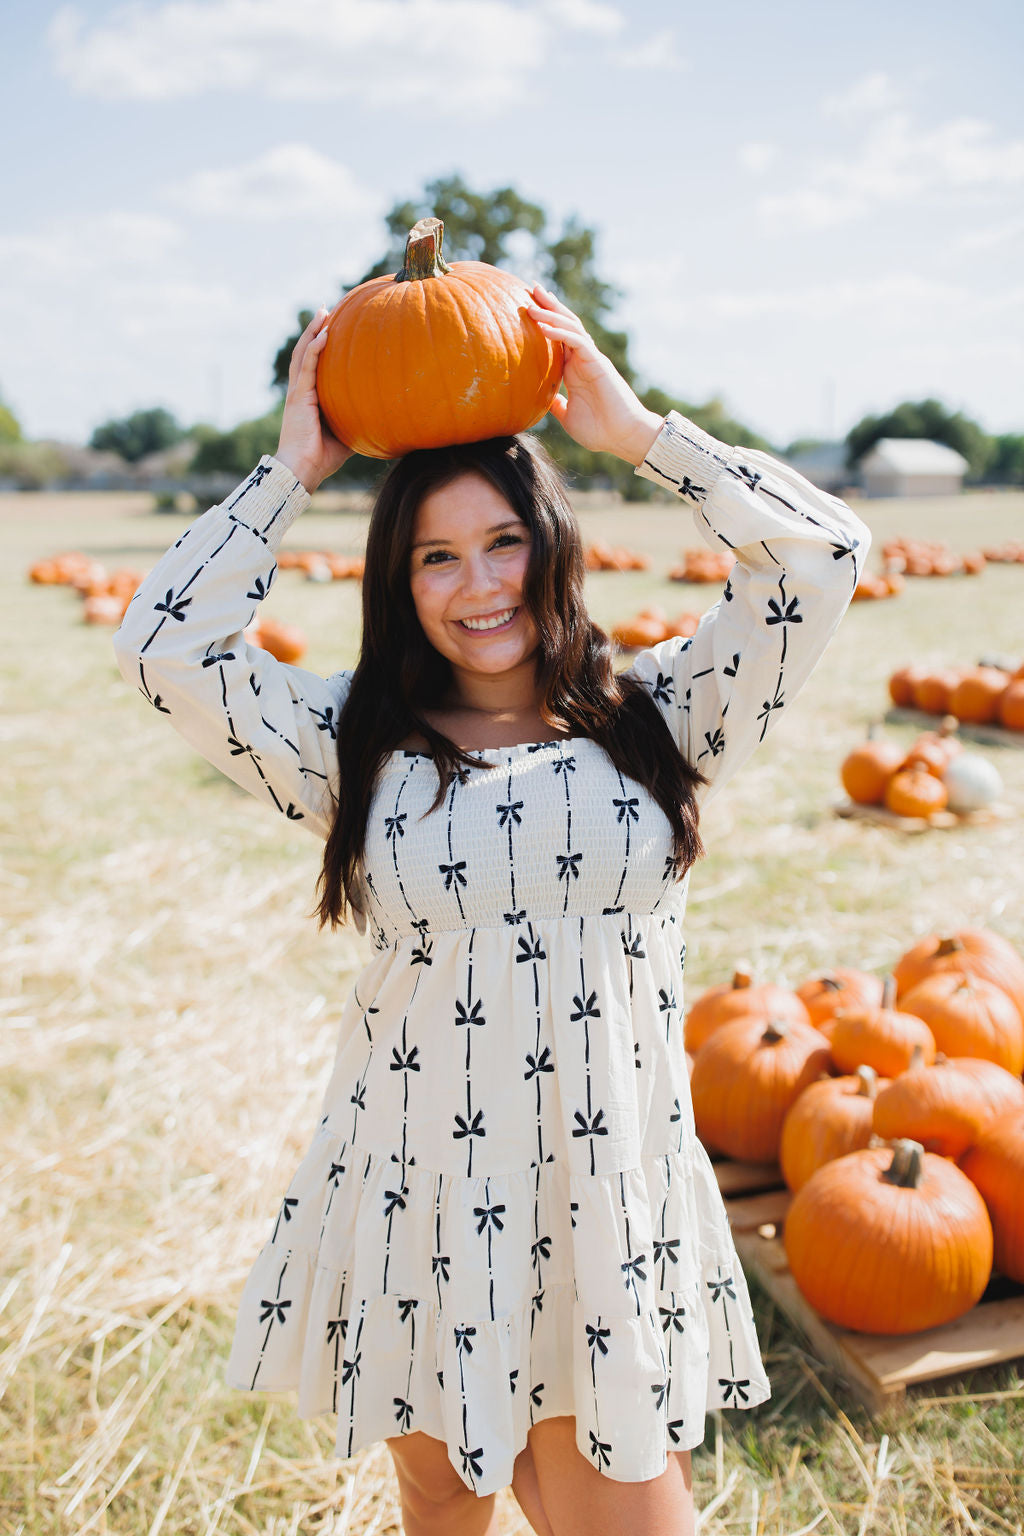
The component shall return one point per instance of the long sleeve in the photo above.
(798, 554)
(268, 726)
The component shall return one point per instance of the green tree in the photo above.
(1006, 467)
(134, 436)
(235, 452)
(928, 419)
(10, 427)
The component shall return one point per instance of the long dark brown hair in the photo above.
(399, 673)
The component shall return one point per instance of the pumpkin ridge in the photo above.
(494, 314)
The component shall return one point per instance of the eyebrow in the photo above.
(512, 522)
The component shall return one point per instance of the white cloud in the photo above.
(448, 54)
(896, 162)
(104, 243)
(756, 157)
(292, 180)
(870, 95)
(657, 52)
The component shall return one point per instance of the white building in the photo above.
(912, 466)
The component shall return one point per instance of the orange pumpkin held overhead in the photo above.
(434, 354)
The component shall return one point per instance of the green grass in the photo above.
(169, 1020)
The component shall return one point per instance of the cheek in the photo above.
(428, 600)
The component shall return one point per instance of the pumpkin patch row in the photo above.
(930, 557)
(818, 1076)
(980, 695)
(870, 588)
(703, 565)
(600, 556)
(105, 594)
(652, 625)
(935, 775)
(322, 564)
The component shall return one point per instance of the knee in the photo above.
(430, 1487)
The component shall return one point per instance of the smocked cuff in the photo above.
(268, 501)
(684, 459)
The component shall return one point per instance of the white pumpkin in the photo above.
(972, 782)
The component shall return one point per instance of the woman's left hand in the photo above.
(307, 446)
(601, 412)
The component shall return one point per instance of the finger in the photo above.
(564, 317)
(299, 350)
(558, 407)
(577, 341)
(552, 301)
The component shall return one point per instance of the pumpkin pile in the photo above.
(703, 565)
(869, 588)
(322, 564)
(935, 775)
(600, 556)
(896, 1114)
(1009, 553)
(986, 694)
(287, 642)
(930, 557)
(652, 625)
(105, 594)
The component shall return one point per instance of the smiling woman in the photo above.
(505, 1252)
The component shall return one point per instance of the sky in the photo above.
(811, 211)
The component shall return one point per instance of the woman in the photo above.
(505, 1251)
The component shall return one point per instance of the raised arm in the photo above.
(798, 555)
(268, 726)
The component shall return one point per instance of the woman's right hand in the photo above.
(307, 446)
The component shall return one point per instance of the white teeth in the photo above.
(494, 622)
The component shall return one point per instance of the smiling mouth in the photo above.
(490, 621)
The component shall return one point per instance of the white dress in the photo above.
(504, 1214)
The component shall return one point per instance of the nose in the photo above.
(479, 578)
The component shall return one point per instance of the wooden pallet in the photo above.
(878, 1369)
(943, 821)
(988, 735)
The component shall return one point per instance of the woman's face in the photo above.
(470, 551)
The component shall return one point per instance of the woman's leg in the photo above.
(580, 1501)
(435, 1500)
(527, 1492)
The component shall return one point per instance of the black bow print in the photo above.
(490, 1215)
(474, 1127)
(591, 1127)
(510, 812)
(274, 1309)
(535, 1393)
(633, 1270)
(405, 1063)
(541, 1249)
(668, 1000)
(464, 1337)
(782, 612)
(596, 1338)
(672, 1317)
(752, 477)
(674, 1429)
(239, 748)
(174, 608)
(568, 865)
(350, 1368)
(528, 951)
(213, 658)
(541, 1063)
(737, 1387)
(600, 1450)
(337, 1328)
(453, 872)
(513, 919)
(585, 1010)
(334, 1173)
(472, 1015)
(627, 809)
(359, 1097)
(423, 955)
(665, 1248)
(394, 1200)
(394, 826)
(664, 690)
(260, 588)
(716, 1287)
(440, 1261)
(634, 950)
(472, 1460)
(403, 1413)
(715, 741)
(660, 1393)
(690, 490)
(513, 1377)
(564, 765)
(405, 1306)
(325, 717)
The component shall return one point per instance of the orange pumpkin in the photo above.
(969, 1017)
(435, 354)
(933, 691)
(285, 641)
(971, 952)
(1002, 1091)
(902, 684)
(825, 994)
(828, 1120)
(882, 1037)
(635, 633)
(1011, 706)
(933, 1103)
(740, 998)
(995, 1165)
(976, 696)
(889, 1241)
(915, 792)
(866, 770)
(746, 1078)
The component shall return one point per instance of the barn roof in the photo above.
(914, 456)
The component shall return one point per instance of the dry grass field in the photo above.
(168, 1020)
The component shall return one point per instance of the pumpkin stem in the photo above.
(831, 983)
(423, 257)
(889, 992)
(949, 946)
(916, 1059)
(742, 976)
(774, 1031)
(907, 1166)
(868, 1081)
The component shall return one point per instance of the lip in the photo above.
(497, 629)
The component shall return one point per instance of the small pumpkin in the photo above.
(976, 696)
(969, 1016)
(933, 691)
(866, 771)
(1011, 706)
(995, 1165)
(434, 354)
(915, 792)
(829, 1119)
(746, 1077)
(889, 1241)
(740, 998)
(284, 641)
(843, 988)
(902, 684)
(883, 1037)
(972, 952)
(1002, 1091)
(933, 1103)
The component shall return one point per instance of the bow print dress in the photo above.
(504, 1213)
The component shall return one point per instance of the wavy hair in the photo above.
(399, 673)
